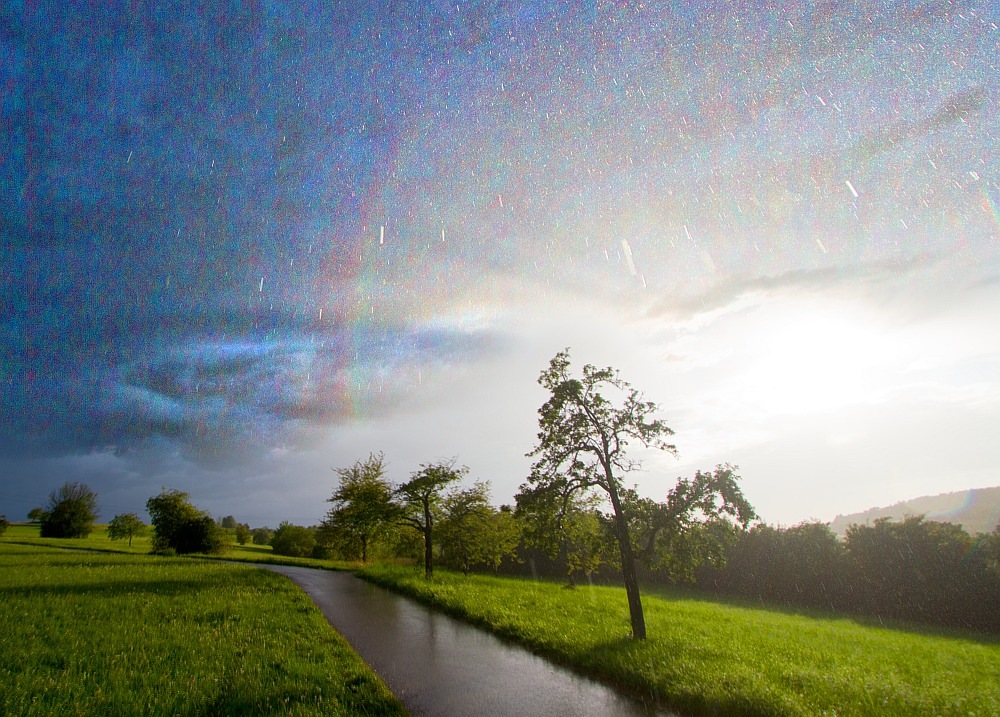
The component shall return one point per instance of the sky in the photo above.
(247, 243)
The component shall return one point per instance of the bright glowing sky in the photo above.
(248, 243)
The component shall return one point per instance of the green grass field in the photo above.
(705, 657)
(98, 540)
(92, 632)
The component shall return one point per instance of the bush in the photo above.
(179, 526)
(3, 524)
(262, 536)
(71, 512)
(294, 541)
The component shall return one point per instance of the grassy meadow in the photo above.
(93, 626)
(116, 633)
(98, 540)
(705, 657)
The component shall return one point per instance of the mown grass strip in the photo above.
(706, 658)
(85, 632)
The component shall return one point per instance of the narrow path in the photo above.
(440, 666)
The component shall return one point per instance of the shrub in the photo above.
(262, 536)
(293, 540)
(179, 526)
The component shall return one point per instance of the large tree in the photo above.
(419, 500)
(71, 512)
(586, 427)
(362, 510)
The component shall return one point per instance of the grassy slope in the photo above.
(709, 658)
(84, 632)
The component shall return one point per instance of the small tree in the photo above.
(71, 512)
(4, 524)
(125, 525)
(179, 526)
(229, 522)
(362, 509)
(419, 500)
(501, 537)
(465, 522)
(569, 528)
(582, 445)
(243, 533)
(35, 515)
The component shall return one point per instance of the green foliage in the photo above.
(71, 512)
(914, 570)
(569, 528)
(293, 540)
(419, 501)
(179, 526)
(35, 515)
(500, 537)
(262, 536)
(363, 512)
(708, 658)
(583, 442)
(4, 524)
(465, 526)
(91, 633)
(911, 569)
(801, 565)
(125, 525)
(229, 523)
(243, 534)
(694, 526)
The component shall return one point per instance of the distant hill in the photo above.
(976, 510)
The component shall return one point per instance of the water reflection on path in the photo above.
(439, 666)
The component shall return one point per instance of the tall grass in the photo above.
(709, 658)
(84, 632)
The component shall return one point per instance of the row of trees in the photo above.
(575, 515)
(178, 526)
(581, 459)
(910, 570)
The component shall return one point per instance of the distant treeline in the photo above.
(914, 570)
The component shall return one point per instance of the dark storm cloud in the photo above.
(229, 383)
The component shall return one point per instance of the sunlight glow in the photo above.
(807, 357)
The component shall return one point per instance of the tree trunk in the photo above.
(629, 575)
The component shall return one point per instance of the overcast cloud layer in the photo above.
(244, 245)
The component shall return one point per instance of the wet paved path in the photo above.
(439, 666)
